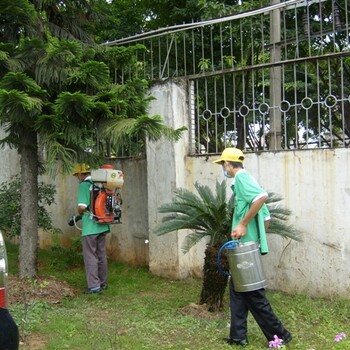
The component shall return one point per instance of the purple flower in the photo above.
(277, 343)
(339, 337)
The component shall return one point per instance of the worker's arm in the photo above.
(81, 209)
(241, 229)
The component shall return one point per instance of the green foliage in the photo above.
(17, 18)
(90, 74)
(209, 214)
(74, 106)
(120, 57)
(66, 257)
(10, 207)
(204, 64)
(205, 214)
(51, 79)
(132, 126)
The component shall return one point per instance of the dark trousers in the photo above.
(95, 260)
(9, 337)
(257, 303)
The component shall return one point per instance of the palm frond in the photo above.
(191, 206)
(191, 240)
(279, 217)
(286, 231)
(273, 198)
(204, 213)
(279, 212)
(178, 222)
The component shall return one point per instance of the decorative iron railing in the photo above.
(271, 78)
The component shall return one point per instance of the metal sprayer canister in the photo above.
(246, 268)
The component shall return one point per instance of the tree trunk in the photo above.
(28, 248)
(214, 282)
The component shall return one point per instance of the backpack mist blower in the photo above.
(105, 204)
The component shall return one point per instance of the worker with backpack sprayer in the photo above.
(94, 198)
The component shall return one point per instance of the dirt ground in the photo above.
(201, 312)
(45, 288)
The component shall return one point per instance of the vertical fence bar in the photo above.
(347, 22)
(216, 116)
(192, 100)
(342, 101)
(234, 107)
(330, 93)
(318, 104)
(198, 118)
(284, 109)
(184, 53)
(193, 54)
(151, 49)
(159, 58)
(306, 109)
(231, 46)
(296, 107)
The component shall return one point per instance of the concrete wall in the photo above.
(315, 185)
(166, 170)
(9, 161)
(127, 242)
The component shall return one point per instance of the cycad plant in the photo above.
(209, 214)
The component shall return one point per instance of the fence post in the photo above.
(166, 171)
(275, 80)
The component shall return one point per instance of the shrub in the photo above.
(10, 207)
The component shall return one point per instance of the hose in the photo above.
(232, 245)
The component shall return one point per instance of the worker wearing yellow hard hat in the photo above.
(81, 168)
(248, 224)
(93, 233)
(231, 154)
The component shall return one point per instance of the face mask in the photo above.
(226, 174)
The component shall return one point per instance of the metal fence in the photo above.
(275, 77)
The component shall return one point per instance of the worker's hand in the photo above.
(239, 231)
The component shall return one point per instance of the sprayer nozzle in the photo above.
(74, 219)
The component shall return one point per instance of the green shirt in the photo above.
(89, 226)
(246, 191)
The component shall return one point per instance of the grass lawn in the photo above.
(142, 311)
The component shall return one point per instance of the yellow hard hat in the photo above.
(231, 154)
(81, 168)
